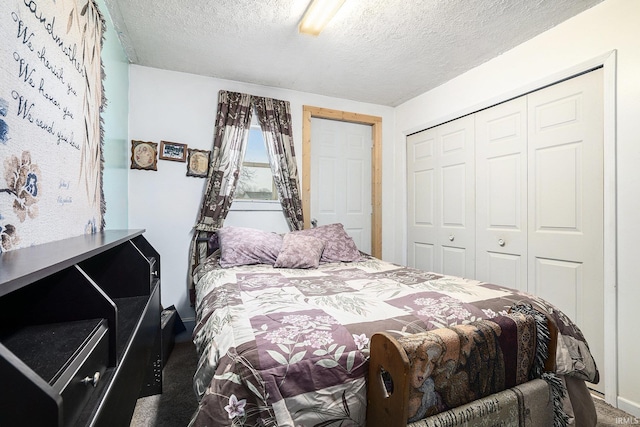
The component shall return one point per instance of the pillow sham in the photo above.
(243, 246)
(299, 251)
(338, 245)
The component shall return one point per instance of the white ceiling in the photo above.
(378, 51)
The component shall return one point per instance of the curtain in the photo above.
(232, 126)
(233, 120)
(275, 121)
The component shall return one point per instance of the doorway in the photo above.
(376, 165)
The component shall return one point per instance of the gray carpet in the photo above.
(175, 406)
(608, 416)
(177, 403)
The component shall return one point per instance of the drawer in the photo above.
(78, 380)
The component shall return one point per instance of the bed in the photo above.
(284, 324)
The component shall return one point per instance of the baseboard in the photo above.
(630, 407)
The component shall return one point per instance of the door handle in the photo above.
(451, 238)
(501, 242)
(314, 223)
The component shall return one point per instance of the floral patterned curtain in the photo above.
(229, 143)
(232, 127)
(275, 120)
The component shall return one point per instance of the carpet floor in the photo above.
(177, 403)
(175, 406)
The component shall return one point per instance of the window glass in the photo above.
(256, 181)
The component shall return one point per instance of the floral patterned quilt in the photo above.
(289, 347)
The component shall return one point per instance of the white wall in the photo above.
(179, 107)
(611, 25)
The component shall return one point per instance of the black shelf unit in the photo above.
(80, 336)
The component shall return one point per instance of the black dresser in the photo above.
(80, 336)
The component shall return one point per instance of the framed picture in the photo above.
(143, 155)
(198, 163)
(173, 151)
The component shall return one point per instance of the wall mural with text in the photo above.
(51, 97)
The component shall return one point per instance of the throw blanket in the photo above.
(290, 347)
(456, 365)
(51, 96)
(525, 405)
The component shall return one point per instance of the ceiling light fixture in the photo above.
(318, 15)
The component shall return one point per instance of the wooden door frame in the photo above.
(375, 122)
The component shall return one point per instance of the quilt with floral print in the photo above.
(289, 347)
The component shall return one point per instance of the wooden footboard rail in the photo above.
(388, 385)
(408, 372)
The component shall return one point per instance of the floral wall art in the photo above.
(51, 97)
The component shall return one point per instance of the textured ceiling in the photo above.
(379, 51)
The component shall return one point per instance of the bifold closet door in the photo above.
(501, 194)
(565, 186)
(441, 186)
(537, 203)
(421, 206)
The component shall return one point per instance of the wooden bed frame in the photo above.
(388, 359)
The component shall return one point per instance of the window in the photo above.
(256, 180)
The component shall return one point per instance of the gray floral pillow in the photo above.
(299, 251)
(338, 245)
(242, 246)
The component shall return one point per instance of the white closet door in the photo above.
(456, 192)
(501, 194)
(421, 209)
(565, 182)
(536, 209)
(440, 183)
(341, 177)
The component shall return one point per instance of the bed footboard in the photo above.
(461, 372)
(388, 387)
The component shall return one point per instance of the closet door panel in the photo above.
(422, 208)
(423, 256)
(424, 198)
(558, 280)
(501, 194)
(504, 269)
(559, 190)
(454, 261)
(456, 228)
(566, 201)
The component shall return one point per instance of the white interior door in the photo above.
(565, 180)
(341, 177)
(501, 194)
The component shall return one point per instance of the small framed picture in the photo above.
(198, 163)
(143, 155)
(173, 151)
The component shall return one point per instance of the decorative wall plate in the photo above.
(198, 163)
(143, 155)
